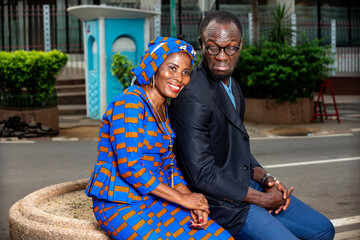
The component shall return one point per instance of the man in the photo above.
(213, 147)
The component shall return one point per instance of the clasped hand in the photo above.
(280, 195)
(199, 209)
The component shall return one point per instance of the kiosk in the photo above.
(108, 30)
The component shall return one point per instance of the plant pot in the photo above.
(46, 116)
(29, 110)
(287, 112)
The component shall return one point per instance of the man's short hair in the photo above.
(220, 16)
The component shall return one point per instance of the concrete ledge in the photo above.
(45, 116)
(27, 221)
(270, 111)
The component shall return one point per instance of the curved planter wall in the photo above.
(270, 111)
(46, 116)
(27, 221)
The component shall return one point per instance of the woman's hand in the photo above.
(199, 219)
(195, 201)
(183, 197)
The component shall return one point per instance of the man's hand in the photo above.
(269, 183)
(270, 200)
(275, 199)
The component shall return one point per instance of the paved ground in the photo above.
(323, 170)
(83, 128)
(349, 111)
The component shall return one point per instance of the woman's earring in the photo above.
(153, 81)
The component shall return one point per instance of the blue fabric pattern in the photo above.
(132, 151)
(153, 219)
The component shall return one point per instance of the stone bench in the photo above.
(61, 211)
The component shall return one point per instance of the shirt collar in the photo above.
(227, 87)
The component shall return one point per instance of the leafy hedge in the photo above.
(30, 73)
(282, 72)
(121, 69)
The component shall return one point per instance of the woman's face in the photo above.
(173, 74)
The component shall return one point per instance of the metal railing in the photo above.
(347, 36)
(19, 102)
(22, 28)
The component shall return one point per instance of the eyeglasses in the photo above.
(215, 50)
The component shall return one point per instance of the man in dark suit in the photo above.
(214, 151)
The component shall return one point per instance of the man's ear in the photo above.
(241, 43)
(200, 42)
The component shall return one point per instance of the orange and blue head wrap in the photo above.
(158, 50)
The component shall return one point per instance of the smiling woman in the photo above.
(137, 189)
(171, 77)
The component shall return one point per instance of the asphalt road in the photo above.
(330, 187)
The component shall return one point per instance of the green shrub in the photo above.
(197, 59)
(121, 69)
(281, 31)
(30, 73)
(282, 72)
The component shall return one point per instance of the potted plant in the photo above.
(121, 69)
(278, 80)
(27, 85)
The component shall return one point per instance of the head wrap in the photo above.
(158, 50)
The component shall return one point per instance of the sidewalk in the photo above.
(78, 127)
(81, 127)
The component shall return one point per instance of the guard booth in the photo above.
(108, 30)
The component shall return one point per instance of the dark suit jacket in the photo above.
(212, 146)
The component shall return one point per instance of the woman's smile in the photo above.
(176, 88)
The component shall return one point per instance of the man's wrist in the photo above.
(265, 177)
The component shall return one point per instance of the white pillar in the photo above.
(250, 28)
(202, 7)
(293, 28)
(333, 46)
(47, 36)
(86, 68)
(102, 57)
(157, 22)
(147, 33)
(290, 4)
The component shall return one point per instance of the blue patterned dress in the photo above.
(133, 159)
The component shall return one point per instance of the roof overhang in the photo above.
(91, 12)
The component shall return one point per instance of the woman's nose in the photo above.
(178, 77)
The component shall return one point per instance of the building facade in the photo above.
(22, 21)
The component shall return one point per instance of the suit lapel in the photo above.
(236, 97)
(223, 101)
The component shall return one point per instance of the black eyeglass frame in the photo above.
(220, 48)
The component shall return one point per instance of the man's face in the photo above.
(221, 65)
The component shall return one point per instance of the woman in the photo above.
(138, 191)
